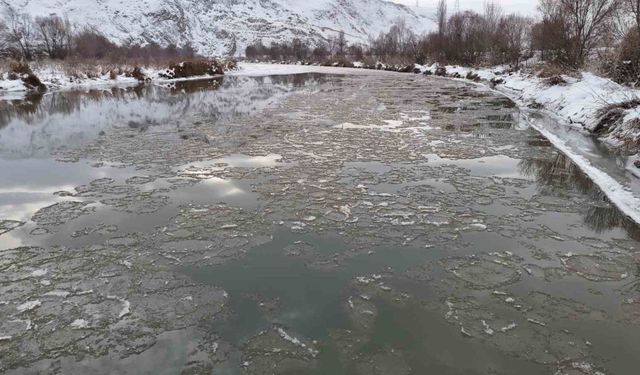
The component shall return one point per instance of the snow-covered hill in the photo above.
(222, 27)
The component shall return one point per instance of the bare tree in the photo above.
(586, 22)
(341, 44)
(20, 33)
(55, 34)
(633, 7)
(3, 38)
(441, 16)
(512, 34)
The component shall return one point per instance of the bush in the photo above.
(338, 61)
(555, 81)
(33, 82)
(611, 115)
(626, 66)
(23, 71)
(473, 76)
(137, 74)
(20, 68)
(441, 71)
(193, 68)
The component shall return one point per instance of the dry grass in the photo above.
(555, 81)
(611, 115)
(194, 68)
(546, 71)
(21, 70)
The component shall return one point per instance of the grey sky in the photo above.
(524, 7)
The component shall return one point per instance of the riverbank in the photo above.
(18, 80)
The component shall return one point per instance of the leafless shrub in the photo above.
(193, 68)
(611, 115)
(570, 29)
(555, 81)
(55, 36)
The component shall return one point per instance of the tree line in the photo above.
(567, 33)
(23, 37)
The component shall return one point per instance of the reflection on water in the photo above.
(559, 172)
(41, 123)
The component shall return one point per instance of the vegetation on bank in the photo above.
(44, 51)
(601, 35)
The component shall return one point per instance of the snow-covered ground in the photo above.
(56, 78)
(226, 27)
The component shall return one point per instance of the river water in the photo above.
(305, 224)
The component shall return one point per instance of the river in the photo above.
(377, 223)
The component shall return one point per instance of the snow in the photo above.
(261, 69)
(29, 305)
(296, 341)
(79, 324)
(126, 306)
(39, 273)
(222, 27)
(55, 78)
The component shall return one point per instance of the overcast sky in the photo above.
(524, 7)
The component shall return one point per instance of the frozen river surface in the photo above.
(305, 224)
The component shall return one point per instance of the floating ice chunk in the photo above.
(29, 305)
(296, 341)
(364, 280)
(57, 293)
(346, 211)
(487, 328)
(537, 322)
(126, 306)
(39, 273)
(478, 226)
(79, 324)
(508, 327)
(464, 332)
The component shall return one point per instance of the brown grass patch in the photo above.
(612, 114)
(555, 81)
(193, 68)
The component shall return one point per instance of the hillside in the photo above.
(224, 27)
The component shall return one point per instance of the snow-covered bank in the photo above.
(264, 69)
(577, 102)
(58, 77)
(576, 107)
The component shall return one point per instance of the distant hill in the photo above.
(222, 27)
